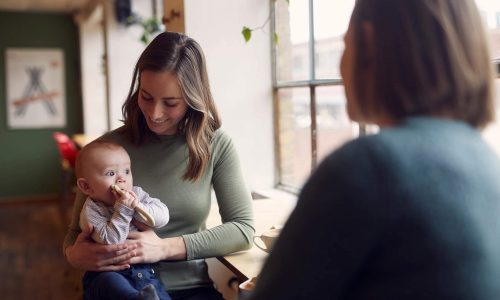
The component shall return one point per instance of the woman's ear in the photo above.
(84, 186)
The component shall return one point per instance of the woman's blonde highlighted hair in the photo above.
(183, 56)
(429, 57)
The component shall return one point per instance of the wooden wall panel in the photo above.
(173, 15)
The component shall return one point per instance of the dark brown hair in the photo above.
(429, 57)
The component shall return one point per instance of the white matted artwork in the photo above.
(35, 88)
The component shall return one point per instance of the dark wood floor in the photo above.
(32, 265)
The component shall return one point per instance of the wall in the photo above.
(240, 74)
(124, 48)
(29, 163)
(240, 78)
(92, 73)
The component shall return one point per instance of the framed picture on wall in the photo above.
(35, 88)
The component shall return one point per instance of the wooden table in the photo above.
(267, 213)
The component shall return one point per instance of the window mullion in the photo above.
(314, 131)
(306, 83)
(312, 58)
(362, 129)
(274, 72)
(312, 89)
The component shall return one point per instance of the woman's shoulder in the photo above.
(389, 149)
(113, 133)
(116, 136)
(364, 152)
(222, 146)
(360, 144)
(391, 139)
(220, 139)
(220, 136)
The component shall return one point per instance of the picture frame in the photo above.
(36, 96)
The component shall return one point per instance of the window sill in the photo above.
(274, 194)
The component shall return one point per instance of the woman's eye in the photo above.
(167, 104)
(110, 173)
(146, 97)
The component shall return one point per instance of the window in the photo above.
(309, 95)
(490, 11)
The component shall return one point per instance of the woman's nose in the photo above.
(156, 111)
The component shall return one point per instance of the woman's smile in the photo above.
(159, 121)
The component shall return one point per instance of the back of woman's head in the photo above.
(427, 57)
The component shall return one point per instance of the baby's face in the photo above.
(104, 168)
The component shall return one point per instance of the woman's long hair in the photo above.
(183, 56)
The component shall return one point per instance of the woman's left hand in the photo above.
(151, 248)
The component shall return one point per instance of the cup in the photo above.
(267, 239)
(246, 287)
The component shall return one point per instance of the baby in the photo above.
(103, 174)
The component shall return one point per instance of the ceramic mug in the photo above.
(267, 238)
(246, 288)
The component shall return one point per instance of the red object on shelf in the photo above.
(67, 149)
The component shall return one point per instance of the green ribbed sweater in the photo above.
(158, 168)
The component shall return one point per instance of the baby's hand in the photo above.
(128, 198)
(133, 200)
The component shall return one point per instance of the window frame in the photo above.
(311, 84)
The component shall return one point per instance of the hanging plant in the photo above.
(150, 26)
(247, 31)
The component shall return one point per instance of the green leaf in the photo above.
(276, 38)
(247, 33)
(145, 38)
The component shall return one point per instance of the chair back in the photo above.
(67, 149)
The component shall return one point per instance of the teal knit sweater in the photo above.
(410, 213)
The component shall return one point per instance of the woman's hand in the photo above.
(150, 248)
(87, 255)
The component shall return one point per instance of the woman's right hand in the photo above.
(87, 255)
